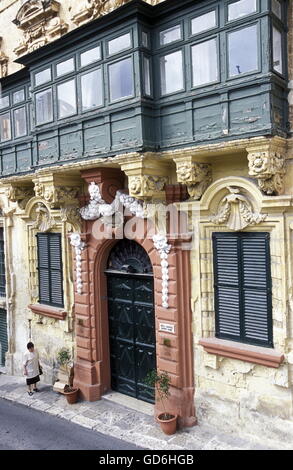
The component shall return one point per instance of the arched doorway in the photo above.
(130, 292)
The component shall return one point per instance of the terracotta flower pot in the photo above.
(71, 397)
(168, 426)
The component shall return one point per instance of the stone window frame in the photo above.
(205, 298)
(58, 225)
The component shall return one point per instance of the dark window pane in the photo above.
(243, 51)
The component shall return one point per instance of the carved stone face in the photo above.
(135, 185)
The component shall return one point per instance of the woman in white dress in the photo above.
(31, 368)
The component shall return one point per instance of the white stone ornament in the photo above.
(97, 207)
(79, 245)
(161, 244)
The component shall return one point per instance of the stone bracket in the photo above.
(147, 176)
(196, 176)
(266, 163)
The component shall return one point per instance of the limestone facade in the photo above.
(237, 185)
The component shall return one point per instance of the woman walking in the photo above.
(31, 368)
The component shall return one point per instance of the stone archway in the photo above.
(173, 319)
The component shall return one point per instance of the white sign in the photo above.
(167, 327)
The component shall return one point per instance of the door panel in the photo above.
(132, 333)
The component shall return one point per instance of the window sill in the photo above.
(48, 311)
(243, 352)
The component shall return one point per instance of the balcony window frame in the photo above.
(108, 65)
(79, 95)
(240, 18)
(218, 47)
(258, 50)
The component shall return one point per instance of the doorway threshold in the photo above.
(130, 402)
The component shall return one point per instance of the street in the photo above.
(24, 428)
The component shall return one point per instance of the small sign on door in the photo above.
(167, 327)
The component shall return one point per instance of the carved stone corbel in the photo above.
(19, 194)
(196, 176)
(267, 165)
(91, 9)
(55, 192)
(147, 176)
(43, 219)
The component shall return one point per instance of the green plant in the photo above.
(64, 359)
(161, 382)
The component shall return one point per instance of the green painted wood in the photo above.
(243, 106)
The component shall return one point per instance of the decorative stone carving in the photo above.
(269, 169)
(3, 63)
(55, 195)
(91, 9)
(44, 222)
(40, 22)
(196, 176)
(78, 245)
(98, 208)
(146, 185)
(71, 215)
(236, 211)
(19, 194)
(161, 244)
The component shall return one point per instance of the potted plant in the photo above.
(64, 359)
(161, 381)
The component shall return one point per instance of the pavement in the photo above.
(132, 421)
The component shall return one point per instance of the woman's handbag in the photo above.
(40, 370)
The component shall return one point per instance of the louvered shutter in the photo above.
(2, 265)
(56, 269)
(243, 287)
(3, 336)
(256, 285)
(50, 269)
(227, 287)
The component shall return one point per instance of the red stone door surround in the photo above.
(92, 365)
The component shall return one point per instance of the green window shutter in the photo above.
(243, 287)
(50, 269)
(2, 265)
(3, 336)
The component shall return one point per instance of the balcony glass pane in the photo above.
(241, 8)
(66, 99)
(203, 22)
(170, 35)
(91, 90)
(19, 122)
(243, 51)
(121, 82)
(277, 51)
(5, 127)
(205, 62)
(90, 56)
(44, 106)
(119, 44)
(172, 73)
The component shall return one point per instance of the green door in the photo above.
(3, 336)
(131, 324)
